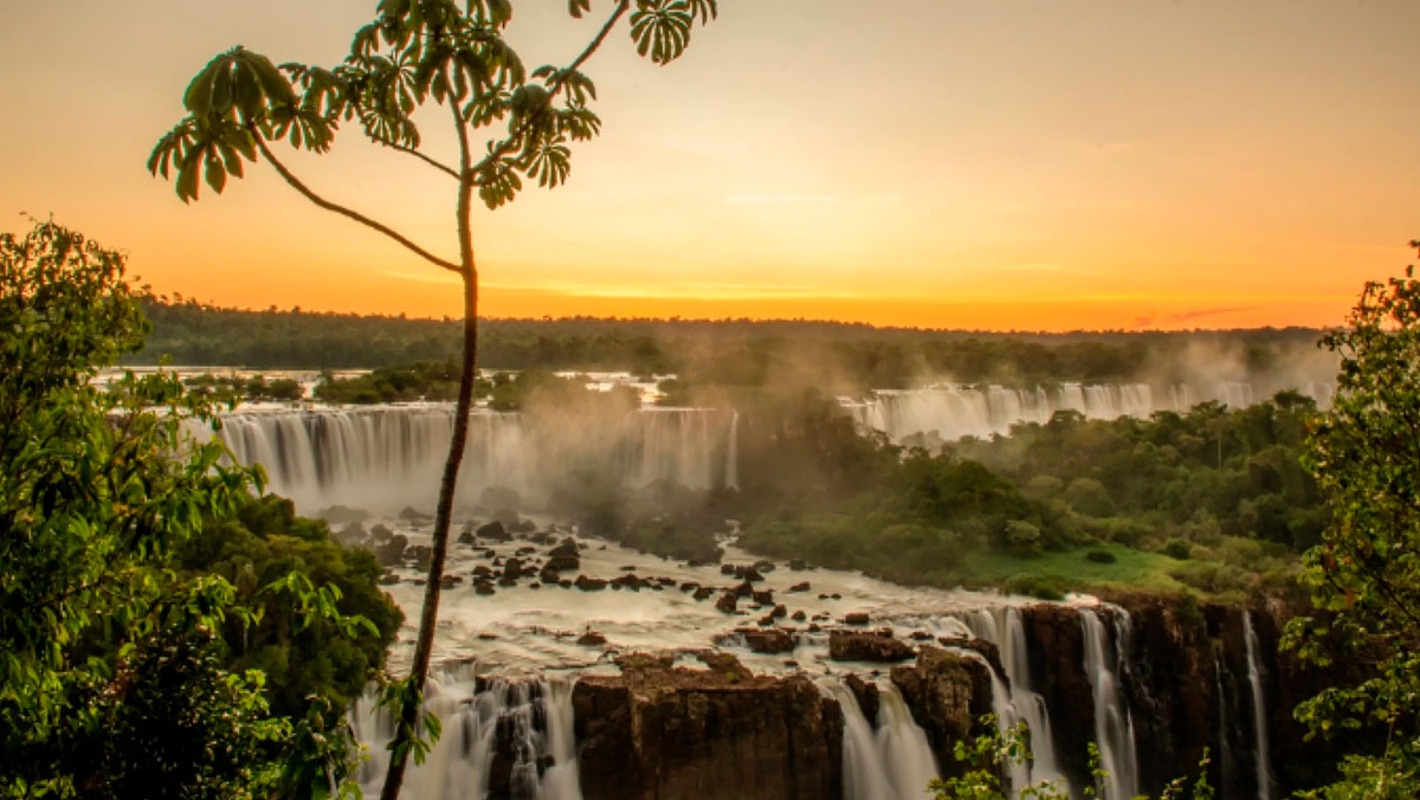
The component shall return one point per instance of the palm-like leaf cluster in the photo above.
(415, 51)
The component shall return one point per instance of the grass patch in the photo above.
(1071, 569)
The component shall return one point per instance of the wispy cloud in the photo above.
(1187, 316)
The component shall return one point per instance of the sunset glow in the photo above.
(1003, 165)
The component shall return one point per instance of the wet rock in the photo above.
(450, 581)
(853, 646)
(744, 589)
(814, 627)
(523, 526)
(764, 598)
(591, 639)
(799, 616)
(483, 587)
(659, 732)
(389, 579)
(728, 602)
(768, 641)
(855, 618)
(422, 556)
(512, 569)
(482, 571)
(508, 582)
(689, 586)
(631, 582)
(494, 532)
(467, 537)
(779, 612)
(390, 553)
(798, 565)
(764, 566)
(945, 692)
(727, 569)
(866, 693)
(562, 564)
(703, 593)
(800, 587)
(567, 549)
(589, 584)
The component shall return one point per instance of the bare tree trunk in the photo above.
(443, 517)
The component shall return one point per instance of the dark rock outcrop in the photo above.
(661, 732)
(946, 692)
(867, 646)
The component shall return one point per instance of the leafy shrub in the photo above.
(1042, 587)
(1176, 548)
(1100, 557)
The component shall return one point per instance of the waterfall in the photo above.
(1114, 729)
(1018, 702)
(1265, 789)
(732, 455)
(889, 760)
(527, 725)
(952, 411)
(388, 457)
(903, 746)
(1225, 753)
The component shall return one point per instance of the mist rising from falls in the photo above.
(950, 412)
(1114, 727)
(390, 457)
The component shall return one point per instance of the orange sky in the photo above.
(1010, 164)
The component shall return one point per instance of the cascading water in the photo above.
(888, 759)
(1018, 702)
(389, 457)
(952, 411)
(903, 746)
(1114, 729)
(732, 455)
(527, 725)
(1265, 783)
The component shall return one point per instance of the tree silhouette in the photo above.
(414, 54)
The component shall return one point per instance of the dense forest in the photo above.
(838, 356)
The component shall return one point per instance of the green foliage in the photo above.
(1365, 573)
(990, 756)
(423, 380)
(111, 681)
(1101, 556)
(260, 549)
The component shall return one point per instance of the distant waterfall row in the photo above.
(389, 457)
(950, 412)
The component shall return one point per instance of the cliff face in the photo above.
(945, 692)
(1057, 666)
(661, 732)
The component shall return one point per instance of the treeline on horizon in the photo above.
(843, 356)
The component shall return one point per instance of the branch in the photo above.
(447, 170)
(507, 144)
(345, 212)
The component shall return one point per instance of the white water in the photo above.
(1114, 728)
(1265, 783)
(888, 759)
(949, 412)
(385, 458)
(1003, 627)
(732, 455)
(460, 763)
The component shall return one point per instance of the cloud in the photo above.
(1186, 316)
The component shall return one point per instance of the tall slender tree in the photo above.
(416, 54)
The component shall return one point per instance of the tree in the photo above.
(91, 505)
(1365, 573)
(416, 53)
